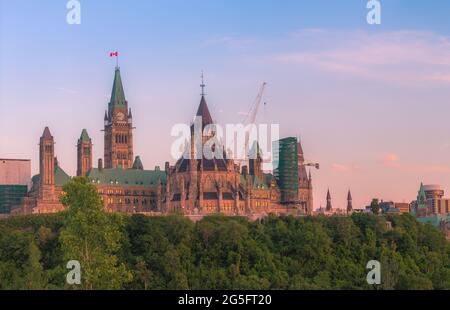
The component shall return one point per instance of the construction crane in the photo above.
(250, 117)
(315, 165)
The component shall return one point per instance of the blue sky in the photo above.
(371, 103)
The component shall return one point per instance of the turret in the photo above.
(349, 203)
(84, 154)
(329, 207)
(47, 165)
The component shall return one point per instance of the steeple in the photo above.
(118, 130)
(203, 112)
(85, 136)
(137, 165)
(46, 134)
(301, 157)
(329, 207)
(117, 94)
(349, 202)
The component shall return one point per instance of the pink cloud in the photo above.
(392, 161)
(402, 57)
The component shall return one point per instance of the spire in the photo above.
(47, 134)
(137, 165)
(349, 202)
(421, 197)
(301, 157)
(309, 176)
(203, 112)
(129, 113)
(329, 207)
(203, 85)
(106, 116)
(85, 136)
(117, 94)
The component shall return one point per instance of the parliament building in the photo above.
(192, 187)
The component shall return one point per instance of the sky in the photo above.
(369, 102)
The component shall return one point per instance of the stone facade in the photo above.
(192, 187)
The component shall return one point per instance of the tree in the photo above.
(375, 206)
(92, 237)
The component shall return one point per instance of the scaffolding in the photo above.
(11, 195)
(285, 168)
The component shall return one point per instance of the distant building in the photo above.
(430, 207)
(390, 207)
(430, 202)
(403, 207)
(15, 171)
(328, 210)
(15, 177)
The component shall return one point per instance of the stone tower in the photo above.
(349, 203)
(47, 166)
(118, 128)
(84, 154)
(255, 161)
(305, 190)
(329, 207)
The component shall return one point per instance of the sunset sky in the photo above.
(370, 103)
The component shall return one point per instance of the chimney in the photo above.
(100, 164)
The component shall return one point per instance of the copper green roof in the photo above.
(434, 220)
(127, 177)
(117, 95)
(85, 136)
(138, 163)
(421, 197)
(61, 178)
(256, 182)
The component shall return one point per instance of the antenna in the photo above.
(203, 85)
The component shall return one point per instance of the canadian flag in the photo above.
(114, 54)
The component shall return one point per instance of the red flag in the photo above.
(112, 54)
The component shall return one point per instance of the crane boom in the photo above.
(251, 116)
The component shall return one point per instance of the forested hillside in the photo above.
(137, 252)
(231, 253)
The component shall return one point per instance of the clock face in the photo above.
(120, 116)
